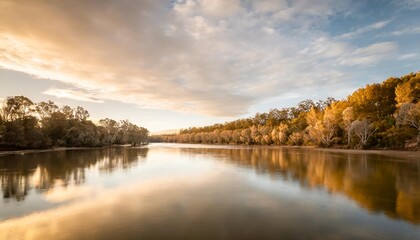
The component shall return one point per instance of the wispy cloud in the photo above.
(365, 29)
(405, 31)
(371, 54)
(410, 4)
(212, 57)
(408, 56)
(71, 94)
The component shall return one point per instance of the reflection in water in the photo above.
(43, 171)
(373, 181)
(201, 192)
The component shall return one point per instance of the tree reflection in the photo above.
(374, 182)
(43, 171)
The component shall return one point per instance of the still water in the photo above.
(174, 191)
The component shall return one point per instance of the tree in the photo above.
(306, 105)
(265, 135)
(321, 126)
(375, 101)
(314, 127)
(365, 117)
(112, 129)
(132, 134)
(24, 124)
(363, 130)
(409, 114)
(348, 118)
(329, 126)
(46, 109)
(282, 133)
(81, 114)
(297, 138)
(17, 107)
(255, 135)
(18, 122)
(2, 126)
(67, 111)
(409, 91)
(55, 127)
(246, 136)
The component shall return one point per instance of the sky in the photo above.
(180, 63)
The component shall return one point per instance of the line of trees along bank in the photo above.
(385, 115)
(25, 124)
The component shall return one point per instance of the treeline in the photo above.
(385, 115)
(25, 124)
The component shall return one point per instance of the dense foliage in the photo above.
(385, 115)
(25, 124)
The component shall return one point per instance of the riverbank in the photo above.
(405, 154)
(29, 151)
(412, 155)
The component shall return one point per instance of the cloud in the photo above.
(405, 31)
(210, 57)
(365, 29)
(221, 8)
(71, 94)
(409, 4)
(408, 56)
(371, 54)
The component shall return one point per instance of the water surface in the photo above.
(209, 192)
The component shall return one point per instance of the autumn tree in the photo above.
(279, 134)
(409, 114)
(408, 91)
(366, 117)
(363, 130)
(348, 118)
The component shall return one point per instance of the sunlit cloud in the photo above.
(70, 94)
(210, 57)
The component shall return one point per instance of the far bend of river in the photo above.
(176, 191)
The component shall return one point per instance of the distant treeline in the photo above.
(385, 115)
(25, 124)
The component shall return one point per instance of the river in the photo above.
(180, 191)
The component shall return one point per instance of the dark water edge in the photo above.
(23, 151)
(183, 191)
(404, 153)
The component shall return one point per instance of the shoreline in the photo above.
(409, 154)
(56, 149)
(414, 155)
